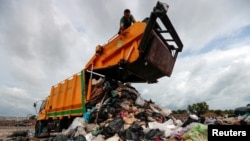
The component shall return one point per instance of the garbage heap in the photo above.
(117, 112)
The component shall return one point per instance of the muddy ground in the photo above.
(9, 126)
(6, 131)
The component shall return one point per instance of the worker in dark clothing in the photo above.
(126, 21)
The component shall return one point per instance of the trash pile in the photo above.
(117, 112)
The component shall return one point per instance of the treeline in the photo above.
(202, 108)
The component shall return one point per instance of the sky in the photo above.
(43, 42)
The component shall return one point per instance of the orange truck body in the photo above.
(66, 99)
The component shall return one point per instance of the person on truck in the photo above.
(126, 21)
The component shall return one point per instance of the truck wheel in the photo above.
(38, 129)
(41, 129)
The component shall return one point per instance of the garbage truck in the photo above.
(145, 52)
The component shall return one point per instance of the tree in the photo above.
(218, 112)
(198, 108)
(179, 112)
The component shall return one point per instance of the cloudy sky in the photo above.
(43, 42)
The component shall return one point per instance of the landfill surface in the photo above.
(118, 112)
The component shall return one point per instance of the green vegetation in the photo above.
(202, 108)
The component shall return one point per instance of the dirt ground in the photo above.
(5, 131)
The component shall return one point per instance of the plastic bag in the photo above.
(134, 133)
(77, 122)
(115, 126)
(198, 133)
(139, 101)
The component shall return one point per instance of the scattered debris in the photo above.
(124, 115)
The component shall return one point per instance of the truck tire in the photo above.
(41, 129)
